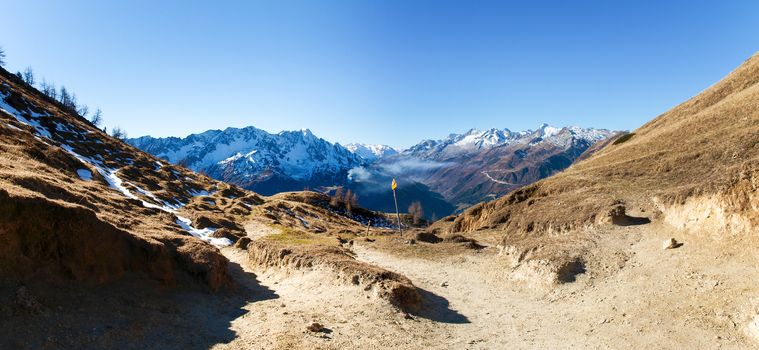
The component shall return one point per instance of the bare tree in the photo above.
(416, 211)
(67, 99)
(73, 103)
(336, 198)
(48, 89)
(2, 56)
(347, 200)
(29, 76)
(97, 118)
(354, 200)
(63, 97)
(83, 110)
(119, 133)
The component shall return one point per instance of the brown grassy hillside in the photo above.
(694, 166)
(77, 203)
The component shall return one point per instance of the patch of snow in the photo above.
(303, 221)
(12, 127)
(84, 174)
(41, 130)
(199, 193)
(146, 193)
(203, 234)
(115, 182)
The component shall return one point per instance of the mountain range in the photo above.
(444, 175)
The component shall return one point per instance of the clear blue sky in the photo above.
(392, 72)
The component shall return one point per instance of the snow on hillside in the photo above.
(110, 175)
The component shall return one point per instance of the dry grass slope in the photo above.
(693, 167)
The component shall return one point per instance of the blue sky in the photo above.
(391, 72)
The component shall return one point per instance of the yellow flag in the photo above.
(394, 185)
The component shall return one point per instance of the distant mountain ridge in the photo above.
(253, 158)
(478, 165)
(476, 140)
(461, 169)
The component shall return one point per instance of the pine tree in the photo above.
(2, 56)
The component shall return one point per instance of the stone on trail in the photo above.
(670, 244)
(315, 327)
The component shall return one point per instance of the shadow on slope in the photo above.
(437, 308)
(134, 313)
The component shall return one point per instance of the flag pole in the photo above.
(397, 213)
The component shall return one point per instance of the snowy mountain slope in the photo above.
(476, 141)
(371, 153)
(480, 165)
(255, 159)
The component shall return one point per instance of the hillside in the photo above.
(82, 204)
(78, 203)
(693, 167)
(94, 229)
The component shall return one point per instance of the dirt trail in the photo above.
(634, 295)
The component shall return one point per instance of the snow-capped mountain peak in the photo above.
(240, 155)
(483, 139)
(475, 140)
(371, 152)
(547, 131)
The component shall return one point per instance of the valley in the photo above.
(445, 175)
(553, 238)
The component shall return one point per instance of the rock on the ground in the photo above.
(315, 327)
(669, 244)
(242, 243)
